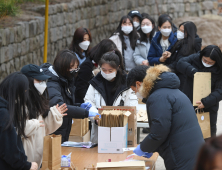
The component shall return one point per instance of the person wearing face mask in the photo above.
(87, 72)
(137, 17)
(42, 120)
(109, 88)
(174, 129)
(207, 60)
(80, 44)
(147, 31)
(162, 43)
(187, 44)
(61, 90)
(125, 38)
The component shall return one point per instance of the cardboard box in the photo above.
(79, 127)
(85, 138)
(132, 123)
(132, 165)
(112, 139)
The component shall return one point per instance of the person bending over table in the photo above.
(174, 130)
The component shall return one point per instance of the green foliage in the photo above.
(11, 7)
(8, 7)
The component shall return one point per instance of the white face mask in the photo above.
(127, 29)
(109, 76)
(180, 35)
(40, 87)
(84, 45)
(136, 24)
(206, 65)
(139, 96)
(165, 32)
(146, 29)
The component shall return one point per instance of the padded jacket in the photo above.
(174, 129)
(156, 50)
(63, 91)
(189, 66)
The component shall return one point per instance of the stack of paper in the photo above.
(114, 118)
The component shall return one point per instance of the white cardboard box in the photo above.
(112, 140)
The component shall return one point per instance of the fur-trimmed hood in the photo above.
(158, 77)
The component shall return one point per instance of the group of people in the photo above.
(140, 60)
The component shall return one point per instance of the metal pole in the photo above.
(46, 30)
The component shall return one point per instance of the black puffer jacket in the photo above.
(189, 66)
(63, 91)
(174, 130)
(12, 154)
(82, 80)
(177, 54)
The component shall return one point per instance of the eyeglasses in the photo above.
(76, 70)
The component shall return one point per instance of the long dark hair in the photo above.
(133, 36)
(161, 20)
(62, 63)
(190, 31)
(215, 54)
(208, 153)
(115, 60)
(39, 104)
(104, 46)
(143, 36)
(78, 38)
(15, 89)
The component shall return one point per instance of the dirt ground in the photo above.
(25, 13)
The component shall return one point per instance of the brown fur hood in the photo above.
(152, 75)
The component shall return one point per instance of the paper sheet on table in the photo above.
(78, 144)
(201, 86)
(142, 116)
(129, 149)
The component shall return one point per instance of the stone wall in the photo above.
(23, 44)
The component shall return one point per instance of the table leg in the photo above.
(138, 135)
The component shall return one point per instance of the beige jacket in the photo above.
(33, 145)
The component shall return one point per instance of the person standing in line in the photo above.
(125, 38)
(137, 17)
(61, 90)
(14, 92)
(86, 72)
(162, 43)
(147, 32)
(42, 120)
(174, 129)
(188, 43)
(80, 44)
(207, 60)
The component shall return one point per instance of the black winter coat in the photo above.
(177, 54)
(12, 154)
(82, 80)
(174, 130)
(63, 91)
(189, 66)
